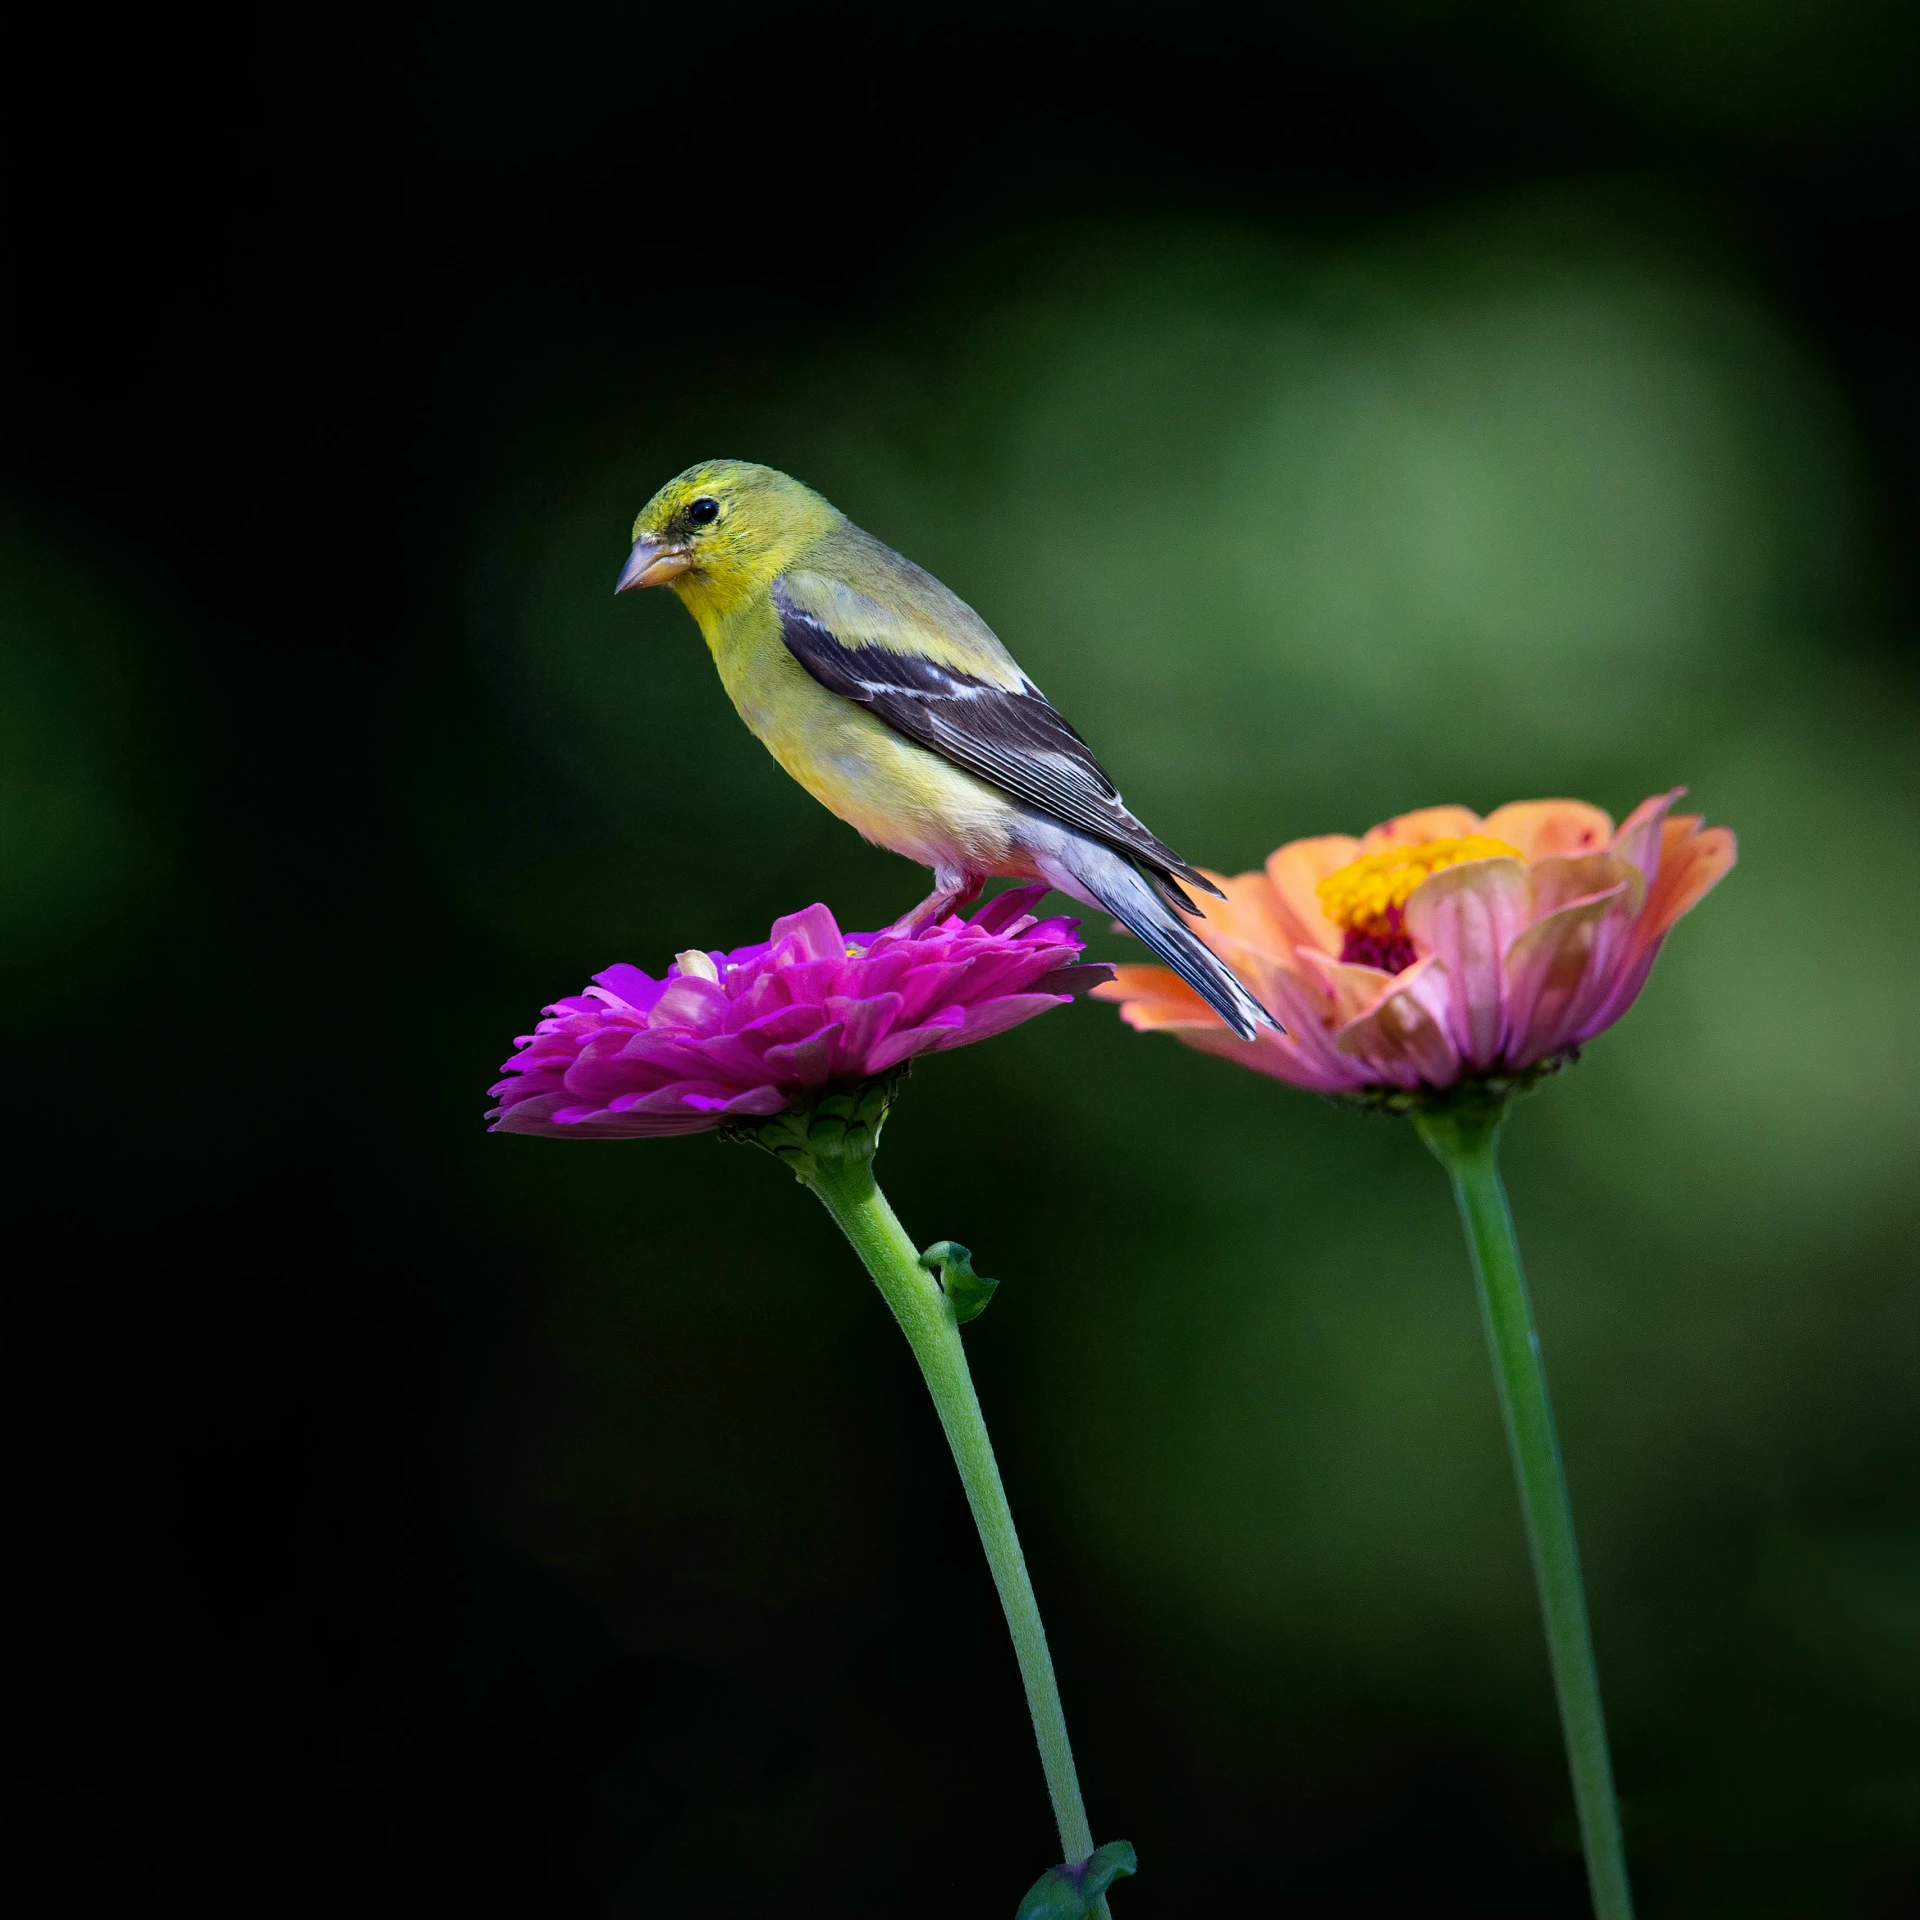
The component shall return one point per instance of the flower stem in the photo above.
(846, 1185)
(1464, 1141)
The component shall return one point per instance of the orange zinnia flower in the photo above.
(1441, 947)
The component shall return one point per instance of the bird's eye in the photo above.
(704, 511)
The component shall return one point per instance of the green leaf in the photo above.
(1065, 1893)
(952, 1265)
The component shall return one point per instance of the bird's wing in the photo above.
(995, 723)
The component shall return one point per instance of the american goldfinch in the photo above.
(890, 700)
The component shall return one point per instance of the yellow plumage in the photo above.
(894, 793)
(892, 702)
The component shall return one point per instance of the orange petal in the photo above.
(1250, 916)
(1296, 871)
(1153, 997)
(1404, 1038)
(1468, 916)
(1693, 861)
(1544, 828)
(1266, 975)
(1427, 823)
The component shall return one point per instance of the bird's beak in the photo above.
(652, 563)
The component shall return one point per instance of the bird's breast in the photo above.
(894, 793)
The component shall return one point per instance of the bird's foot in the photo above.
(952, 890)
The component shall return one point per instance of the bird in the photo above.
(894, 704)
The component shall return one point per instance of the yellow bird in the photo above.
(890, 700)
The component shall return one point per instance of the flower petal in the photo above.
(1067, 982)
(1150, 998)
(1468, 916)
(545, 1116)
(1288, 1057)
(630, 987)
(1541, 829)
(1259, 968)
(1693, 861)
(908, 1043)
(1249, 915)
(806, 1063)
(863, 1025)
(814, 932)
(1005, 908)
(1296, 871)
(634, 1055)
(1426, 823)
(1010, 1010)
(1559, 883)
(1153, 999)
(1404, 1038)
(1562, 967)
(689, 1004)
(1353, 989)
(1638, 841)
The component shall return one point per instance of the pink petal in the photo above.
(1352, 989)
(906, 1043)
(630, 987)
(1692, 863)
(1638, 841)
(999, 914)
(1560, 883)
(863, 1024)
(1561, 967)
(814, 932)
(782, 1026)
(807, 1063)
(670, 1099)
(1067, 981)
(1467, 917)
(1281, 1057)
(996, 1016)
(689, 1002)
(1404, 1039)
(543, 1116)
(756, 1100)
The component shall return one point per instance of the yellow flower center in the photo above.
(1366, 898)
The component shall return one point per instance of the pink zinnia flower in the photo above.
(728, 1036)
(1441, 947)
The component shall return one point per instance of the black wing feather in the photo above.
(1015, 740)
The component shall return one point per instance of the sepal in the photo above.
(1067, 1892)
(837, 1123)
(951, 1265)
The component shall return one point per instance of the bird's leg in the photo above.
(952, 887)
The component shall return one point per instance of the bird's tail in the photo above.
(1099, 877)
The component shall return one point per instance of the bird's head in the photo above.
(723, 530)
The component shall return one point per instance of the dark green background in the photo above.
(1378, 406)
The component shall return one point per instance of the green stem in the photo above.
(1464, 1141)
(846, 1185)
